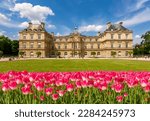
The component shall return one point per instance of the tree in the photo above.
(1, 54)
(113, 53)
(21, 54)
(145, 44)
(130, 53)
(58, 54)
(5, 45)
(15, 47)
(93, 53)
(38, 54)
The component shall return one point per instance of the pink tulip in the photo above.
(61, 93)
(13, 85)
(5, 87)
(147, 88)
(39, 85)
(69, 87)
(42, 98)
(125, 94)
(118, 87)
(55, 96)
(78, 84)
(119, 98)
(26, 90)
(48, 91)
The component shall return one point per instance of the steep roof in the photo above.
(114, 27)
(34, 28)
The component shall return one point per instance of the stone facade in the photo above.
(116, 41)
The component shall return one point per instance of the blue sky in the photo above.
(61, 16)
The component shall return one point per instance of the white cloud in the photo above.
(24, 24)
(138, 18)
(3, 18)
(50, 26)
(2, 33)
(5, 21)
(138, 5)
(90, 28)
(32, 13)
(137, 39)
(137, 36)
(58, 34)
(7, 4)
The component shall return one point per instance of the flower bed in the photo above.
(98, 87)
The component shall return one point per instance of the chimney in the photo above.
(43, 25)
(99, 33)
(108, 24)
(121, 23)
(30, 24)
(52, 33)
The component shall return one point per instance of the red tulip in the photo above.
(5, 87)
(55, 96)
(119, 98)
(48, 91)
(69, 87)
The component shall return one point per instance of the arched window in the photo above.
(31, 54)
(98, 53)
(65, 53)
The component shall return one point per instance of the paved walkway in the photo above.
(8, 59)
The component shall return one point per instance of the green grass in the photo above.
(74, 65)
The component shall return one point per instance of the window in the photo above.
(119, 36)
(126, 53)
(24, 37)
(39, 36)
(24, 45)
(53, 53)
(112, 36)
(65, 46)
(85, 53)
(76, 46)
(31, 54)
(59, 47)
(126, 36)
(31, 35)
(85, 46)
(119, 53)
(52, 47)
(31, 45)
(91, 46)
(65, 53)
(112, 45)
(126, 44)
(98, 53)
(39, 44)
(98, 46)
(75, 53)
(119, 44)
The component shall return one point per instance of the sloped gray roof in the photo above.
(114, 27)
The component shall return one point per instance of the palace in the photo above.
(115, 41)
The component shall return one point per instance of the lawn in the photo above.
(74, 65)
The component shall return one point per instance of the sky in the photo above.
(62, 16)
